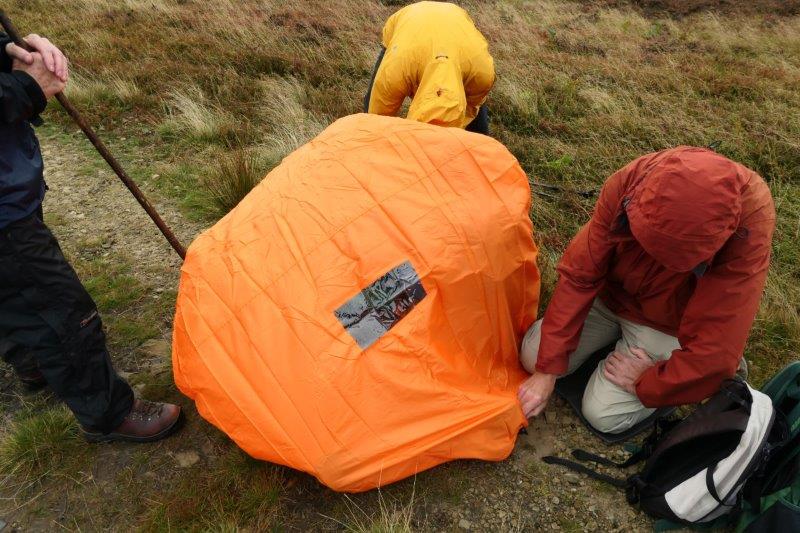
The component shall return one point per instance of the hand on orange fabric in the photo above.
(624, 371)
(535, 392)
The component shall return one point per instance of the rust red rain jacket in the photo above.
(679, 241)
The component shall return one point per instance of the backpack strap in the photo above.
(638, 457)
(578, 467)
(711, 484)
(662, 426)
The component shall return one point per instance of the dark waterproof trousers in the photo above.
(47, 319)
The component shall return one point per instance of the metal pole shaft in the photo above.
(12, 32)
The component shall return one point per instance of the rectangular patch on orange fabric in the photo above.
(368, 315)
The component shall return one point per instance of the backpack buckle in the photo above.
(633, 492)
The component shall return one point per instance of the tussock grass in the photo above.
(235, 176)
(87, 90)
(389, 516)
(42, 442)
(289, 123)
(192, 116)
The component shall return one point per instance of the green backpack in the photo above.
(772, 498)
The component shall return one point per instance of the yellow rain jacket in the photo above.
(435, 55)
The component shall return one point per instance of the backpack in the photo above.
(696, 468)
(772, 498)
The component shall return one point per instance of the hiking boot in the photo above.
(147, 422)
(33, 380)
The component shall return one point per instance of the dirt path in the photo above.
(97, 210)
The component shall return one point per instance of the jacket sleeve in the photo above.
(478, 83)
(582, 273)
(21, 98)
(389, 90)
(716, 323)
(5, 60)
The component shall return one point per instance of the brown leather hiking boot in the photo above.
(147, 422)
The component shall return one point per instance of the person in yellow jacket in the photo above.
(433, 53)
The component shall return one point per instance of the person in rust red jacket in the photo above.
(671, 267)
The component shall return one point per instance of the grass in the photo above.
(44, 441)
(127, 306)
(390, 516)
(235, 175)
(191, 118)
(208, 95)
(236, 492)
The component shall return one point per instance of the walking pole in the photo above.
(12, 32)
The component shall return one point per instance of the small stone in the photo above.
(158, 348)
(207, 447)
(556, 501)
(465, 524)
(571, 478)
(187, 458)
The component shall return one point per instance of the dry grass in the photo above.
(191, 118)
(583, 88)
(234, 176)
(233, 493)
(389, 516)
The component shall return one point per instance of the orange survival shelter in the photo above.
(358, 315)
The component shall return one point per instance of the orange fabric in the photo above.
(655, 221)
(257, 344)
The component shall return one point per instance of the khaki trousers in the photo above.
(606, 406)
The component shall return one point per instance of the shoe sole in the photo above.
(118, 437)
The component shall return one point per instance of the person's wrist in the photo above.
(34, 91)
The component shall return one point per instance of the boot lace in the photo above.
(146, 410)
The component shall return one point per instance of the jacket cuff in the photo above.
(5, 60)
(555, 366)
(647, 388)
(32, 89)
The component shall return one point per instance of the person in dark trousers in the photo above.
(50, 330)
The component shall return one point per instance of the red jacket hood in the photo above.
(686, 206)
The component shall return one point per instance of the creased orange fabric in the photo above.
(656, 220)
(257, 344)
